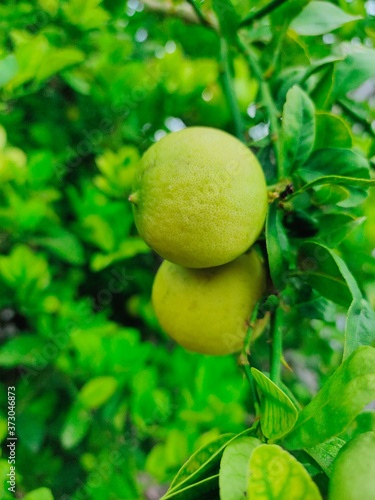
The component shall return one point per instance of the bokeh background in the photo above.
(107, 406)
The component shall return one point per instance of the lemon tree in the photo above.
(199, 198)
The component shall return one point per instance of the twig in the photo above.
(184, 11)
(229, 89)
(200, 14)
(273, 113)
(277, 348)
(258, 14)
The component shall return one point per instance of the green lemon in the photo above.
(207, 310)
(200, 197)
(353, 476)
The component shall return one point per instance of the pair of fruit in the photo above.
(200, 201)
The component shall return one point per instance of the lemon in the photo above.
(353, 476)
(200, 197)
(207, 310)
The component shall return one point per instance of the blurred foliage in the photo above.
(107, 407)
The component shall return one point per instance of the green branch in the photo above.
(259, 14)
(273, 113)
(229, 89)
(199, 14)
(277, 348)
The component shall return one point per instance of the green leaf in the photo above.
(344, 395)
(318, 18)
(330, 194)
(206, 489)
(335, 162)
(201, 464)
(64, 244)
(97, 391)
(336, 227)
(354, 70)
(277, 247)
(8, 69)
(327, 273)
(127, 249)
(277, 412)
(39, 494)
(24, 350)
(57, 60)
(322, 93)
(298, 128)
(227, 17)
(234, 467)
(76, 425)
(325, 453)
(360, 326)
(276, 475)
(331, 132)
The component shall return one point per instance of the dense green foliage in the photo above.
(108, 407)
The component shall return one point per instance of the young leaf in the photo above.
(345, 394)
(325, 453)
(327, 273)
(278, 413)
(276, 475)
(298, 128)
(318, 18)
(277, 247)
(203, 490)
(201, 464)
(234, 467)
(360, 326)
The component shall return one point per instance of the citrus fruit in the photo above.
(200, 197)
(353, 476)
(207, 310)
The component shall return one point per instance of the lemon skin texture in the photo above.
(207, 310)
(353, 476)
(200, 197)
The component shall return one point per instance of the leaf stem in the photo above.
(228, 87)
(277, 348)
(273, 113)
(262, 12)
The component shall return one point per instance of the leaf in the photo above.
(354, 70)
(360, 326)
(276, 475)
(322, 93)
(330, 194)
(57, 60)
(206, 489)
(277, 247)
(298, 128)
(127, 249)
(344, 395)
(8, 69)
(318, 18)
(335, 162)
(97, 391)
(234, 467)
(64, 244)
(277, 412)
(76, 425)
(24, 350)
(331, 132)
(325, 453)
(336, 227)
(39, 494)
(327, 273)
(202, 463)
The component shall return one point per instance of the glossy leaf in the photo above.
(360, 326)
(327, 273)
(318, 18)
(201, 464)
(344, 395)
(234, 468)
(276, 475)
(331, 132)
(277, 247)
(325, 453)
(298, 128)
(277, 412)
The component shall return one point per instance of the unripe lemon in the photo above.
(200, 197)
(207, 310)
(353, 476)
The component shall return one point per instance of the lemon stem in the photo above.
(134, 198)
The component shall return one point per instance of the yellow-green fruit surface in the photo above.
(353, 476)
(199, 198)
(207, 310)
